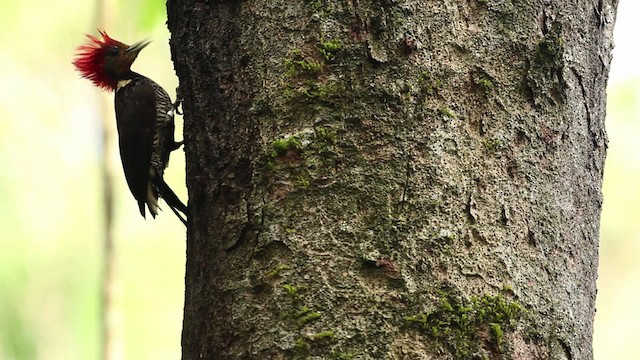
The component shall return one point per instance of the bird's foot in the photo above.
(176, 145)
(176, 106)
(178, 103)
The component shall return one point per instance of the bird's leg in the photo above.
(176, 144)
(176, 105)
(178, 101)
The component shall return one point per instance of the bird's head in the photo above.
(106, 61)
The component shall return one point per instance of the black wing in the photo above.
(136, 118)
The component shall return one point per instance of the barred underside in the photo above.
(164, 126)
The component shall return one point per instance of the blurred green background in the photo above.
(51, 212)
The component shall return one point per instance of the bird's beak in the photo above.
(135, 48)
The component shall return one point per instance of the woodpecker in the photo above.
(144, 117)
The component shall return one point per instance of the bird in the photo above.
(144, 118)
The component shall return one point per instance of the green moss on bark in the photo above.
(464, 328)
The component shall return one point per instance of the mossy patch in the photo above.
(464, 328)
(276, 271)
(329, 49)
(484, 82)
(293, 290)
(497, 335)
(428, 83)
(303, 160)
(308, 74)
(302, 345)
(446, 112)
(305, 315)
(327, 135)
(302, 181)
(283, 153)
(325, 91)
(307, 344)
(493, 145)
(283, 146)
(296, 67)
(337, 355)
(323, 336)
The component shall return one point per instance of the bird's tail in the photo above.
(176, 205)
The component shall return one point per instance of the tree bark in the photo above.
(392, 179)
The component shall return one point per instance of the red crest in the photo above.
(89, 60)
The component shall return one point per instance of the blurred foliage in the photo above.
(617, 303)
(50, 192)
(150, 13)
(18, 340)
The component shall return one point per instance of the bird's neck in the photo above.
(126, 79)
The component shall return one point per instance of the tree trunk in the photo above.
(392, 179)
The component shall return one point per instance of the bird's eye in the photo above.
(113, 51)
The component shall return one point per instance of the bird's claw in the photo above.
(178, 102)
(176, 145)
(176, 105)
